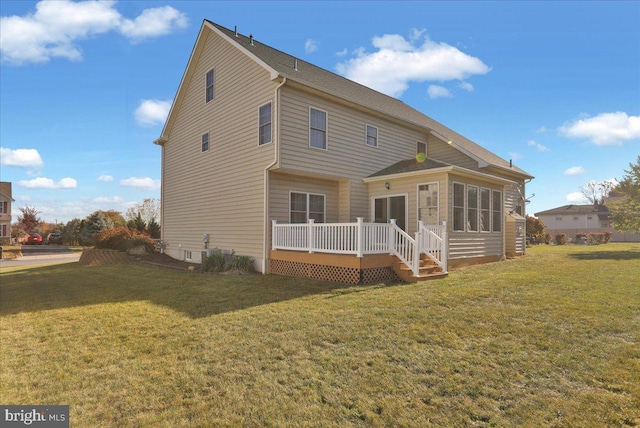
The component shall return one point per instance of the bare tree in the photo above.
(29, 220)
(595, 192)
(149, 209)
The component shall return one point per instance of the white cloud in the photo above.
(106, 199)
(54, 29)
(542, 130)
(105, 178)
(343, 52)
(605, 129)
(152, 112)
(576, 197)
(398, 62)
(141, 183)
(47, 183)
(154, 22)
(24, 158)
(437, 91)
(466, 86)
(539, 147)
(515, 156)
(574, 170)
(310, 46)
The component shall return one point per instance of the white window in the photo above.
(472, 208)
(3, 232)
(458, 207)
(317, 128)
(496, 212)
(4, 207)
(485, 210)
(187, 255)
(372, 136)
(209, 85)
(264, 127)
(421, 148)
(428, 203)
(306, 206)
(205, 142)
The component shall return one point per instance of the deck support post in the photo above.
(311, 235)
(392, 236)
(359, 237)
(273, 234)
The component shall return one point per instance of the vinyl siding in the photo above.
(219, 192)
(282, 184)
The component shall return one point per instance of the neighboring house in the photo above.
(5, 211)
(582, 219)
(259, 142)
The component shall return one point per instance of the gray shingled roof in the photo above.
(326, 81)
(409, 165)
(575, 209)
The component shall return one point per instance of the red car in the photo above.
(34, 239)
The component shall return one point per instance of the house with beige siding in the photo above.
(315, 175)
(5, 212)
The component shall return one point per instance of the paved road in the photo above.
(42, 254)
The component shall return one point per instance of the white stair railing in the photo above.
(432, 241)
(403, 246)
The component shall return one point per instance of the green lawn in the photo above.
(549, 339)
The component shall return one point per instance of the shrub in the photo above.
(607, 236)
(218, 262)
(548, 238)
(122, 239)
(561, 239)
(598, 238)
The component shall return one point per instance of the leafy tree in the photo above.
(535, 228)
(153, 229)
(29, 220)
(115, 217)
(148, 209)
(93, 224)
(137, 223)
(71, 231)
(625, 209)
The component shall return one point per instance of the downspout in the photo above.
(265, 180)
(504, 225)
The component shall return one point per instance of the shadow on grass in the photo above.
(196, 295)
(607, 255)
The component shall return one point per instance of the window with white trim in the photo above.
(485, 210)
(205, 142)
(458, 207)
(306, 206)
(209, 82)
(496, 211)
(4, 207)
(317, 128)
(3, 232)
(372, 136)
(264, 127)
(421, 147)
(188, 255)
(472, 208)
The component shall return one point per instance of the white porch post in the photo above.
(392, 236)
(273, 234)
(445, 247)
(311, 235)
(359, 237)
(415, 268)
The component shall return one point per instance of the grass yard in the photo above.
(548, 340)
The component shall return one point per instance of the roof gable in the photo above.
(575, 210)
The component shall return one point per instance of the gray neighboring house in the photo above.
(303, 170)
(582, 219)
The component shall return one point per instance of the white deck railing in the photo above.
(362, 238)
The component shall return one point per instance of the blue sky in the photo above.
(85, 86)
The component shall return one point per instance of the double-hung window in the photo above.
(317, 128)
(496, 212)
(485, 210)
(421, 148)
(264, 127)
(372, 136)
(205, 142)
(209, 85)
(458, 207)
(472, 208)
(306, 206)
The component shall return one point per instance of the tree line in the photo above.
(140, 217)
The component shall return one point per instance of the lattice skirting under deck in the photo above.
(345, 275)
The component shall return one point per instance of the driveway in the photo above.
(42, 255)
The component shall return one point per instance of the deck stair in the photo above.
(428, 270)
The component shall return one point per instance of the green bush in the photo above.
(598, 238)
(218, 262)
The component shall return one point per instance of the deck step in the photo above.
(428, 270)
